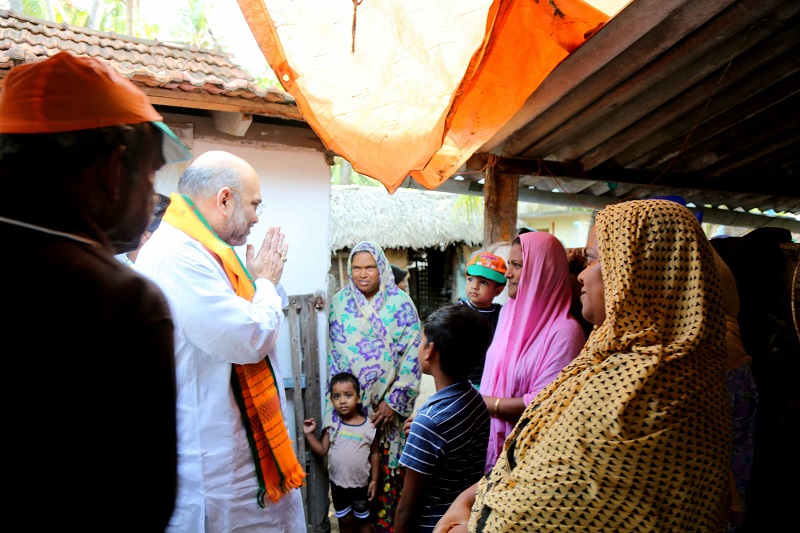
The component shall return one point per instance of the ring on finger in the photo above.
(283, 258)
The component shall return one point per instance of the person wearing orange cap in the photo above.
(486, 279)
(94, 405)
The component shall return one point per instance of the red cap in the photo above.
(70, 93)
(489, 266)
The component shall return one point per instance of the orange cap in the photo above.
(489, 266)
(70, 93)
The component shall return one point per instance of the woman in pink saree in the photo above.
(536, 335)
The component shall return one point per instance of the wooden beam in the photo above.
(711, 215)
(235, 124)
(653, 149)
(746, 76)
(611, 174)
(658, 60)
(317, 503)
(222, 103)
(568, 79)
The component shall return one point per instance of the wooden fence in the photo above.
(302, 317)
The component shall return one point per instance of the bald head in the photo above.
(220, 159)
(226, 190)
(213, 170)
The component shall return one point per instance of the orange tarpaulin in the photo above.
(414, 87)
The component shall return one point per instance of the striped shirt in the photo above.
(447, 442)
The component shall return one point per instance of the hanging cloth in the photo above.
(414, 87)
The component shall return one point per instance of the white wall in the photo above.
(569, 228)
(295, 188)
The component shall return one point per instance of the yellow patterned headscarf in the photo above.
(634, 434)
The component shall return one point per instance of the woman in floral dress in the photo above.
(374, 333)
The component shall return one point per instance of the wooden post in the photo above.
(302, 313)
(295, 304)
(317, 501)
(500, 196)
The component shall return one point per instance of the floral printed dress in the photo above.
(377, 341)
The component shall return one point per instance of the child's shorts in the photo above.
(347, 500)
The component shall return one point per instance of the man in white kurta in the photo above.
(215, 328)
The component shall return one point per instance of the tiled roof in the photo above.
(186, 71)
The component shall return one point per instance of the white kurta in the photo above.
(213, 328)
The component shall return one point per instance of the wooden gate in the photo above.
(302, 316)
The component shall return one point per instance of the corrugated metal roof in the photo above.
(670, 97)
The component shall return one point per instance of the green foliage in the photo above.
(113, 18)
(194, 28)
(267, 79)
(342, 173)
(67, 12)
(150, 31)
(31, 8)
(470, 205)
(264, 77)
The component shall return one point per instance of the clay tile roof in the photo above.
(186, 71)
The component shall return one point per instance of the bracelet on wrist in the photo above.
(497, 407)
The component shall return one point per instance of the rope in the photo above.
(356, 3)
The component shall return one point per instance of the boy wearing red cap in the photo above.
(485, 281)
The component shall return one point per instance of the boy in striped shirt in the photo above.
(445, 450)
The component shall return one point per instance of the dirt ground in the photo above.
(334, 523)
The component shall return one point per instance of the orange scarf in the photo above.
(254, 387)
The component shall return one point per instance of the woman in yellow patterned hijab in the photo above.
(634, 434)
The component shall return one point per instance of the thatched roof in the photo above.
(408, 218)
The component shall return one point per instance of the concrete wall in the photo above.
(570, 228)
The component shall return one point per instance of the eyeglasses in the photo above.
(259, 207)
